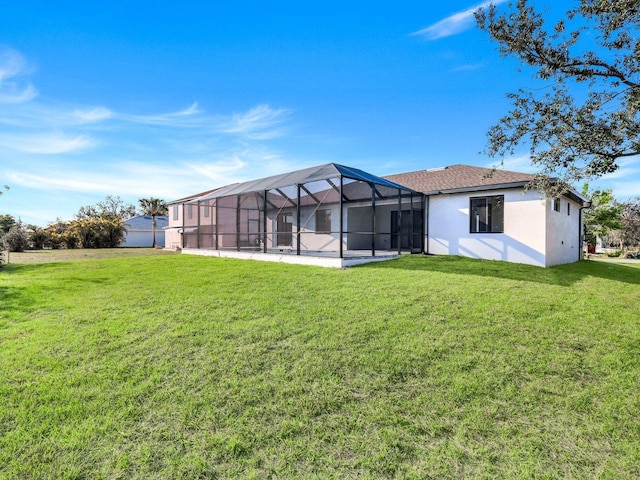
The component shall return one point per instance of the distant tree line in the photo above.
(95, 226)
(614, 222)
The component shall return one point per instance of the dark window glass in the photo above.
(323, 221)
(487, 214)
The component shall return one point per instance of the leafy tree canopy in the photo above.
(153, 206)
(603, 216)
(630, 219)
(6, 222)
(112, 207)
(587, 119)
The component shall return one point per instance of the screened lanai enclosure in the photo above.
(328, 210)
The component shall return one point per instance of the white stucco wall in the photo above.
(309, 239)
(173, 236)
(523, 240)
(563, 233)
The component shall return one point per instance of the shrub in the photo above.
(38, 238)
(614, 254)
(17, 238)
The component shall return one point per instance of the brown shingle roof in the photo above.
(458, 177)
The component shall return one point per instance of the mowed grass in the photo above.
(423, 367)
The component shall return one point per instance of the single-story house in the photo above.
(489, 213)
(139, 231)
(336, 212)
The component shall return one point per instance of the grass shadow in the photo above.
(13, 298)
(563, 275)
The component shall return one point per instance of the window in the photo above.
(556, 204)
(175, 212)
(323, 221)
(206, 211)
(189, 211)
(487, 214)
(568, 208)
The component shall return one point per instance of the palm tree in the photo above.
(154, 207)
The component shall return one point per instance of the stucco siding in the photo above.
(522, 240)
(563, 232)
(173, 238)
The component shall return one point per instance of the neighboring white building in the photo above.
(139, 231)
(337, 211)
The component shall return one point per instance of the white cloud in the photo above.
(468, 67)
(12, 63)
(96, 114)
(454, 24)
(623, 182)
(219, 171)
(627, 167)
(12, 66)
(127, 179)
(10, 93)
(190, 116)
(81, 183)
(169, 155)
(520, 163)
(260, 123)
(46, 144)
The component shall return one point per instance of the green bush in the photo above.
(17, 238)
(614, 254)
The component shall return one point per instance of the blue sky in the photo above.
(142, 98)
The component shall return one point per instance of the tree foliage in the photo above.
(111, 207)
(6, 222)
(98, 232)
(630, 220)
(153, 207)
(100, 225)
(587, 118)
(17, 238)
(603, 216)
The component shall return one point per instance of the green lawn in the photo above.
(175, 366)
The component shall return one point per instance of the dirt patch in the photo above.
(49, 256)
